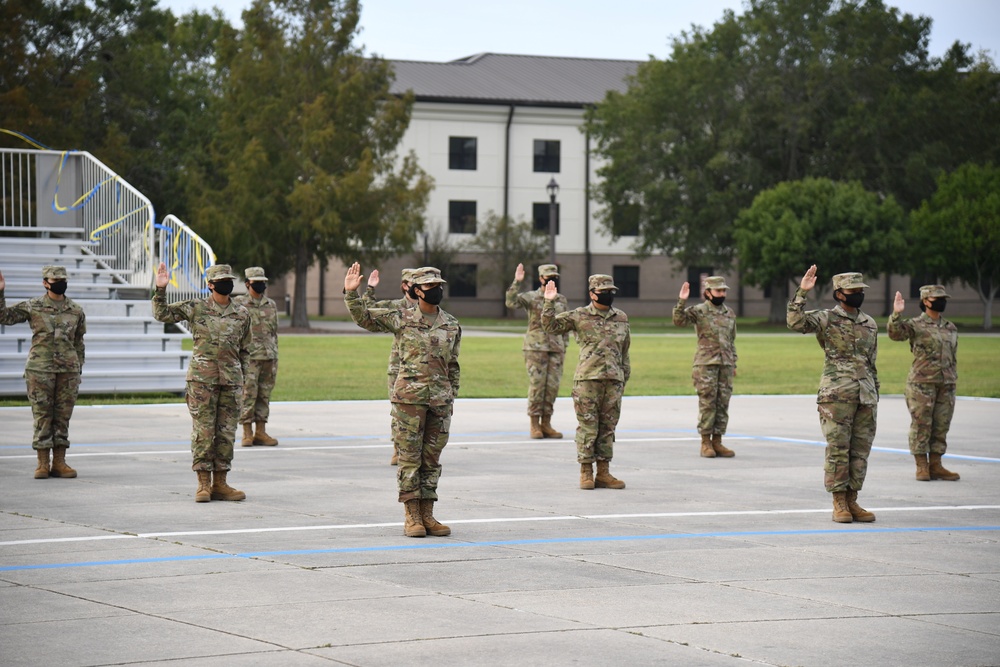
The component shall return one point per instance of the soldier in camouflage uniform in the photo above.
(262, 369)
(543, 353)
(601, 374)
(428, 340)
(714, 360)
(222, 343)
(405, 302)
(52, 373)
(848, 390)
(930, 387)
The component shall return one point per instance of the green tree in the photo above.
(956, 233)
(837, 226)
(304, 166)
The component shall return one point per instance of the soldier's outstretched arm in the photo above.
(796, 316)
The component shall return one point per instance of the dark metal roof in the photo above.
(504, 79)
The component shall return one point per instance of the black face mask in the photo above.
(223, 287)
(938, 305)
(58, 287)
(717, 300)
(258, 287)
(854, 300)
(434, 295)
(412, 292)
(605, 298)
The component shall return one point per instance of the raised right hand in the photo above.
(551, 290)
(373, 279)
(685, 291)
(809, 279)
(898, 304)
(3, 283)
(352, 280)
(162, 277)
(519, 273)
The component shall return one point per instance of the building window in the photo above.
(462, 153)
(462, 217)
(540, 216)
(696, 274)
(462, 280)
(546, 155)
(627, 281)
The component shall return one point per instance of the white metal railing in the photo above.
(17, 189)
(187, 257)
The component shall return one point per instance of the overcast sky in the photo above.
(442, 30)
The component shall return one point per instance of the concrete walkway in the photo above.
(697, 562)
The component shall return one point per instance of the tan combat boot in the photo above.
(262, 438)
(431, 525)
(536, 428)
(858, 513)
(923, 470)
(604, 479)
(221, 490)
(841, 512)
(60, 469)
(706, 446)
(42, 471)
(204, 492)
(546, 426)
(247, 440)
(414, 523)
(938, 471)
(587, 476)
(394, 461)
(719, 448)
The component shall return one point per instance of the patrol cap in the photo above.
(255, 274)
(219, 272)
(848, 281)
(53, 272)
(933, 292)
(715, 282)
(600, 281)
(426, 275)
(407, 275)
(547, 270)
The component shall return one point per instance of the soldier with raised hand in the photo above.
(55, 361)
(423, 394)
(222, 343)
(848, 390)
(930, 386)
(601, 374)
(544, 353)
(714, 360)
(262, 368)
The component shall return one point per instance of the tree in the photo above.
(505, 243)
(304, 166)
(956, 233)
(837, 226)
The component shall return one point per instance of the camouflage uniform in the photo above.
(425, 387)
(544, 353)
(714, 358)
(930, 386)
(848, 390)
(222, 343)
(601, 373)
(262, 367)
(55, 361)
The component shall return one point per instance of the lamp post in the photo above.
(553, 189)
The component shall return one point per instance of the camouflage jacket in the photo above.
(263, 324)
(716, 329)
(536, 340)
(934, 346)
(851, 346)
(222, 336)
(57, 330)
(603, 337)
(402, 303)
(428, 350)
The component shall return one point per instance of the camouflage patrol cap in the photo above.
(715, 282)
(600, 281)
(933, 292)
(407, 275)
(255, 274)
(53, 272)
(848, 281)
(547, 270)
(219, 272)
(426, 275)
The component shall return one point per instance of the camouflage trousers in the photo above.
(53, 397)
(420, 432)
(545, 371)
(258, 383)
(931, 408)
(598, 405)
(714, 385)
(849, 429)
(215, 411)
